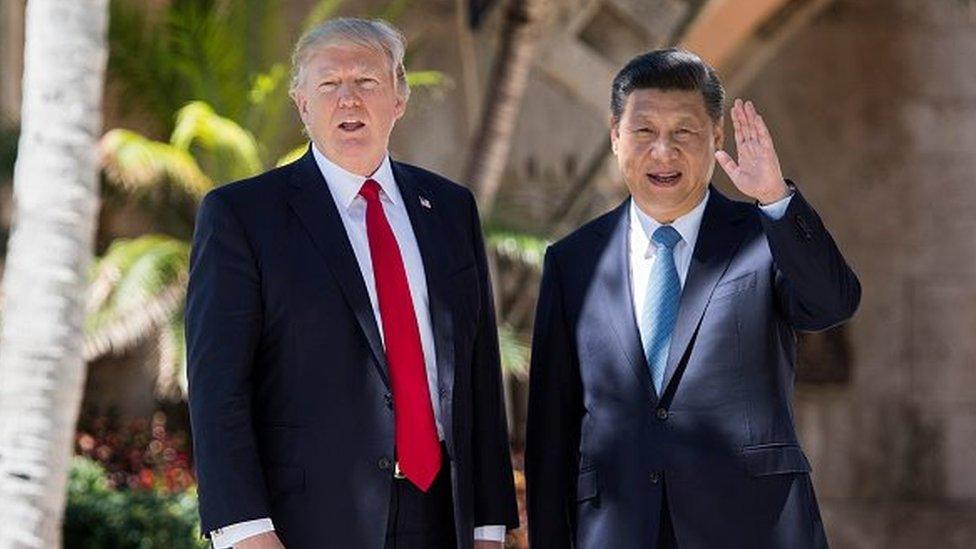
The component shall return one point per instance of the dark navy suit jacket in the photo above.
(289, 390)
(603, 447)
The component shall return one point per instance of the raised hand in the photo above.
(757, 173)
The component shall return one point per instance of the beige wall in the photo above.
(873, 108)
(11, 57)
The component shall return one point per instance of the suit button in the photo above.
(389, 400)
(385, 463)
(662, 414)
(655, 477)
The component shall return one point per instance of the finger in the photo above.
(738, 125)
(740, 114)
(729, 165)
(764, 137)
(750, 118)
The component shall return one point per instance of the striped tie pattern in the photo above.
(660, 304)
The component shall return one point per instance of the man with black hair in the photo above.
(665, 336)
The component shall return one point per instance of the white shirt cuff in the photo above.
(226, 537)
(490, 533)
(777, 209)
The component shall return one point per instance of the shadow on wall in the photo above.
(9, 133)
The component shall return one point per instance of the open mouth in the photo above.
(664, 179)
(351, 126)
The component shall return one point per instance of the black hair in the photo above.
(668, 69)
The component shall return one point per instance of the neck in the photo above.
(666, 216)
(364, 166)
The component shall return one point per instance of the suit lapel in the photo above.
(613, 279)
(718, 240)
(311, 200)
(429, 229)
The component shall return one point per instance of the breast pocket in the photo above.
(730, 288)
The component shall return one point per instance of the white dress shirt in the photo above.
(643, 251)
(344, 187)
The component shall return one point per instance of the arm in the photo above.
(223, 324)
(815, 287)
(494, 486)
(552, 434)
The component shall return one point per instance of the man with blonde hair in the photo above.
(345, 385)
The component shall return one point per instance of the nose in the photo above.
(347, 96)
(662, 148)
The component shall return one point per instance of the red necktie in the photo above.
(417, 447)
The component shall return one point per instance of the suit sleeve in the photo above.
(816, 288)
(494, 499)
(552, 434)
(223, 325)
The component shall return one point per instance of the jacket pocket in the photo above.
(735, 286)
(588, 485)
(776, 458)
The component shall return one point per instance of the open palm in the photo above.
(757, 173)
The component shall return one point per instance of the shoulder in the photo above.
(249, 195)
(591, 233)
(437, 184)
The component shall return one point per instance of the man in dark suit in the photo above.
(345, 385)
(665, 337)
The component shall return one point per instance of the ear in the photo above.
(301, 103)
(614, 134)
(719, 132)
(400, 107)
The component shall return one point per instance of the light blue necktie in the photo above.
(660, 304)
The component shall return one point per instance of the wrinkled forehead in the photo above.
(347, 56)
(660, 104)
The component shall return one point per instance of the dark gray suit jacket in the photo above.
(603, 447)
(289, 391)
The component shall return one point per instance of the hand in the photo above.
(485, 544)
(264, 540)
(757, 173)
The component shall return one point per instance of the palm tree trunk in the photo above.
(489, 153)
(42, 369)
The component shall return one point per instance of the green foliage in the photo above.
(515, 351)
(97, 516)
(136, 164)
(323, 10)
(137, 270)
(231, 150)
(517, 246)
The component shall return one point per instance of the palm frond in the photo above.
(135, 162)
(514, 350)
(135, 324)
(141, 275)
(517, 246)
(197, 123)
(171, 381)
(427, 79)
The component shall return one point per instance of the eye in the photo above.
(328, 85)
(643, 130)
(367, 83)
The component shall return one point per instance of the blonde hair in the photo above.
(375, 34)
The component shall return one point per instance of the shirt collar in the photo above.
(686, 225)
(345, 185)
